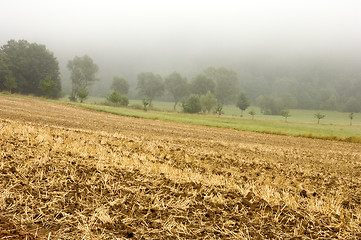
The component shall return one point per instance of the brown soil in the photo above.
(71, 173)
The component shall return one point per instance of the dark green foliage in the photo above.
(121, 85)
(83, 71)
(10, 82)
(176, 85)
(243, 102)
(208, 102)
(47, 87)
(150, 85)
(4, 69)
(117, 99)
(202, 84)
(30, 63)
(192, 105)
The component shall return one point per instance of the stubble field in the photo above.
(71, 173)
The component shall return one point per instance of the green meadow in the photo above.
(335, 126)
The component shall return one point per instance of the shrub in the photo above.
(192, 105)
(118, 99)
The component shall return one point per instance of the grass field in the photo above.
(339, 131)
(297, 115)
(67, 172)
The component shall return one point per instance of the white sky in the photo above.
(179, 28)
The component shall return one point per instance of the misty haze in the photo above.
(180, 119)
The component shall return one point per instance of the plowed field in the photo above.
(71, 173)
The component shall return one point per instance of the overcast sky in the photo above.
(177, 32)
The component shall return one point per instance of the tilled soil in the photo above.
(71, 173)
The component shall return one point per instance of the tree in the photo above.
(176, 85)
(226, 83)
(47, 86)
(117, 99)
(4, 69)
(319, 116)
(208, 102)
(82, 93)
(31, 63)
(10, 82)
(286, 114)
(192, 105)
(202, 84)
(351, 116)
(120, 85)
(150, 85)
(145, 104)
(242, 102)
(252, 112)
(83, 71)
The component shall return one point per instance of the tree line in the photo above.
(30, 68)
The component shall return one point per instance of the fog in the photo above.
(128, 37)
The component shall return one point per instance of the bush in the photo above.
(118, 99)
(192, 105)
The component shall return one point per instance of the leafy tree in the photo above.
(242, 102)
(117, 99)
(192, 105)
(202, 84)
(177, 86)
(319, 116)
(4, 69)
(286, 114)
(208, 102)
(226, 83)
(150, 85)
(82, 93)
(120, 85)
(10, 82)
(351, 116)
(47, 86)
(252, 112)
(30, 63)
(83, 71)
